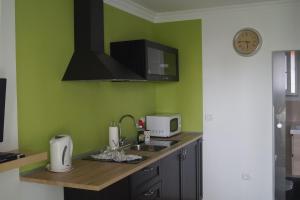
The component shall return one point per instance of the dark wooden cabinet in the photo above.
(200, 169)
(171, 176)
(152, 173)
(119, 190)
(178, 176)
(150, 60)
(191, 168)
(182, 173)
(146, 183)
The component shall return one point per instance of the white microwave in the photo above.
(163, 125)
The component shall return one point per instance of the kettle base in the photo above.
(59, 170)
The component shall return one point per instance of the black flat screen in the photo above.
(2, 106)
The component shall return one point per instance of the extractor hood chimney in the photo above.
(89, 62)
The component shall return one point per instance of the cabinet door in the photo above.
(190, 172)
(170, 172)
(200, 170)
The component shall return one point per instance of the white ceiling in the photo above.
(176, 5)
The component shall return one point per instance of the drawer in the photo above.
(152, 192)
(142, 177)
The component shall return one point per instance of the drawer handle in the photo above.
(148, 170)
(149, 193)
(183, 154)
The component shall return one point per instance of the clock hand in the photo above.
(247, 42)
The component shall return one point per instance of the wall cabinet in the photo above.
(178, 176)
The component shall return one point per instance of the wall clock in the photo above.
(247, 41)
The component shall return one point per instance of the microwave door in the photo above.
(174, 125)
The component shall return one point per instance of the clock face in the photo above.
(247, 42)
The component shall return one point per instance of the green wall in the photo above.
(48, 106)
(184, 97)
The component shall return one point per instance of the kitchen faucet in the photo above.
(123, 140)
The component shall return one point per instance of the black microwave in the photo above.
(151, 60)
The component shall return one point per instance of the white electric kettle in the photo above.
(61, 149)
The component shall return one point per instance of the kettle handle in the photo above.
(64, 156)
(71, 148)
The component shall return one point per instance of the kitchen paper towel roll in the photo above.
(113, 137)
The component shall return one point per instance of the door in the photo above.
(279, 118)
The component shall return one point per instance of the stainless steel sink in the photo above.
(146, 147)
(154, 145)
(165, 143)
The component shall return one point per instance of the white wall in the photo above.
(10, 186)
(238, 96)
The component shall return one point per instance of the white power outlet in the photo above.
(209, 117)
(246, 177)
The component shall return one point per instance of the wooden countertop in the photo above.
(94, 175)
(29, 158)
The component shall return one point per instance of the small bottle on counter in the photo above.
(141, 137)
(147, 134)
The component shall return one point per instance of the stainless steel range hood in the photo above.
(89, 62)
